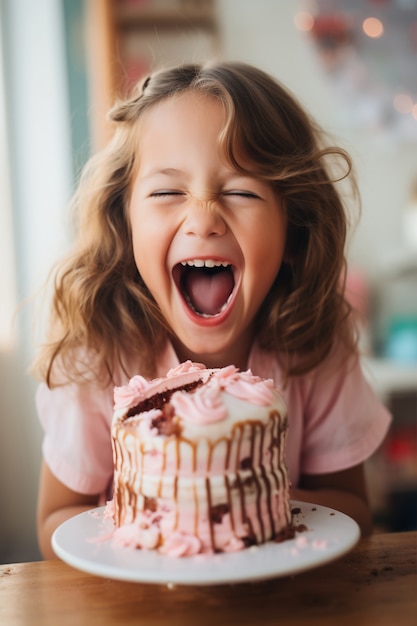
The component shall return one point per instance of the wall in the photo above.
(39, 152)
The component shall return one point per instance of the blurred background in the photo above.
(351, 63)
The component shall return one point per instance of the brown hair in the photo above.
(101, 307)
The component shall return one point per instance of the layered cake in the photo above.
(199, 461)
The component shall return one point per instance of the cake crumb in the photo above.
(319, 544)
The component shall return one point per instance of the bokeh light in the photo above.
(304, 21)
(373, 27)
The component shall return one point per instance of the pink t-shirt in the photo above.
(335, 422)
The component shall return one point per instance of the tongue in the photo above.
(208, 290)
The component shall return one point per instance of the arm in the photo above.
(56, 504)
(344, 491)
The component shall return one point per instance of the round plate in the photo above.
(83, 542)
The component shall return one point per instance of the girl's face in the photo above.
(208, 241)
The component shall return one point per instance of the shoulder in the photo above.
(337, 379)
(270, 364)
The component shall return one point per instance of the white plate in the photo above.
(330, 534)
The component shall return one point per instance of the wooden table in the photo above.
(375, 584)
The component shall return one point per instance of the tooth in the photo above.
(205, 263)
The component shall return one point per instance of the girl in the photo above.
(209, 229)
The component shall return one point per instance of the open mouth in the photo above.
(206, 285)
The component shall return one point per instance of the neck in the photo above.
(238, 356)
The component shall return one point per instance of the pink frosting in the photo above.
(251, 388)
(136, 536)
(109, 510)
(243, 385)
(201, 407)
(226, 374)
(126, 395)
(234, 545)
(185, 367)
(180, 544)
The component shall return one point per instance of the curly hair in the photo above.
(102, 308)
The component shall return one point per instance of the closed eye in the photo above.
(165, 192)
(242, 194)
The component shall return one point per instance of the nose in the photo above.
(204, 219)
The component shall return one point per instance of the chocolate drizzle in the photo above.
(255, 482)
(217, 513)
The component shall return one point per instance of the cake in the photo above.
(199, 461)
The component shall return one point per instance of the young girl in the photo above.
(209, 229)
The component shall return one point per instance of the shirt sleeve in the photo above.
(77, 442)
(344, 421)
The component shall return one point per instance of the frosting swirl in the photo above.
(128, 394)
(251, 388)
(185, 367)
(201, 407)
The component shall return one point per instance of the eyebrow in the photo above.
(172, 171)
(165, 171)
